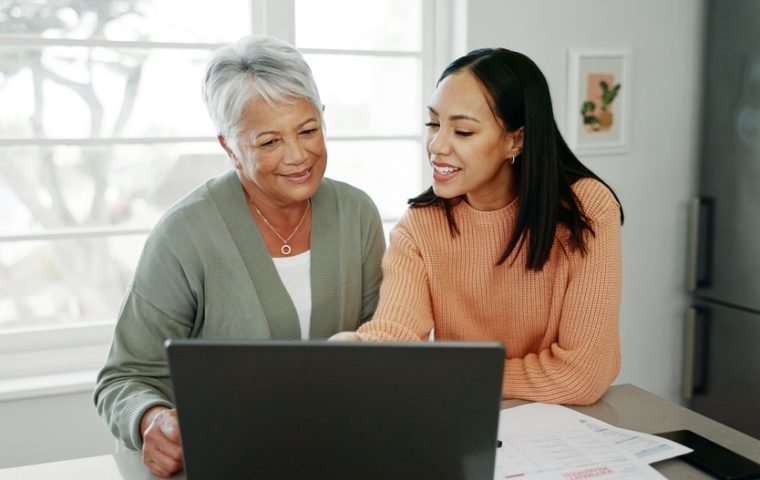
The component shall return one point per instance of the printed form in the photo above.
(542, 442)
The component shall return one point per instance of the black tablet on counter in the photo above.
(714, 459)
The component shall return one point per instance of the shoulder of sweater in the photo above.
(415, 214)
(595, 198)
(352, 202)
(346, 191)
(425, 220)
(196, 205)
(187, 205)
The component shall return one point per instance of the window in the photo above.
(373, 110)
(103, 128)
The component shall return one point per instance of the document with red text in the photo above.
(542, 442)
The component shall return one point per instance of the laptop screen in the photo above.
(337, 410)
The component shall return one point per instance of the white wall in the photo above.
(656, 178)
(51, 428)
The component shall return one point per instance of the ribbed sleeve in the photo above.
(559, 325)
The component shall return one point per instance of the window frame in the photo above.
(54, 360)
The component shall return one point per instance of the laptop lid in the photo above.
(338, 410)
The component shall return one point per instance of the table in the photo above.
(631, 407)
(625, 406)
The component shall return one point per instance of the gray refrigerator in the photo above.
(722, 347)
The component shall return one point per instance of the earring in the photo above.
(512, 160)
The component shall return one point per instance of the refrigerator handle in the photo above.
(695, 352)
(700, 243)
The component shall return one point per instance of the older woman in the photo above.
(269, 250)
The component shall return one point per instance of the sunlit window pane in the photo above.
(128, 20)
(355, 25)
(48, 188)
(100, 92)
(389, 171)
(55, 283)
(369, 95)
(106, 93)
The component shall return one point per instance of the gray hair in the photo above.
(254, 65)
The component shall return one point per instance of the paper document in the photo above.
(542, 441)
(646, 447)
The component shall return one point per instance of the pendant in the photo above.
(285, 249)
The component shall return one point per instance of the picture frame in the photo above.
(599, 107)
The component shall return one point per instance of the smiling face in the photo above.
(468, 147)
(283, 151)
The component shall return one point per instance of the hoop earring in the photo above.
(512, 160)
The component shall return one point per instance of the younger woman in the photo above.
(516, 241)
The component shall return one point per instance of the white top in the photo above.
(295, 274)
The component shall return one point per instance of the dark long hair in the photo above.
(546, 168)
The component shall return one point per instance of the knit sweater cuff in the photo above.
(385, 331)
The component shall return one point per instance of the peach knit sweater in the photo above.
(559, 325)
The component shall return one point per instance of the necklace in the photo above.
(285, 249)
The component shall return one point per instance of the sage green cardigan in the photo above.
(205, 272)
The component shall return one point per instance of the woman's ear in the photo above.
(517, 141)
(230, 152)
(223, 143)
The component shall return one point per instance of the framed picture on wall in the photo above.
(599, 109)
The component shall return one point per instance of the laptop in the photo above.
(337, 410)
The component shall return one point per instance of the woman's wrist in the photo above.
(148, 417)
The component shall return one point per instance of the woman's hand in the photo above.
(162, 450)
(345, 337)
